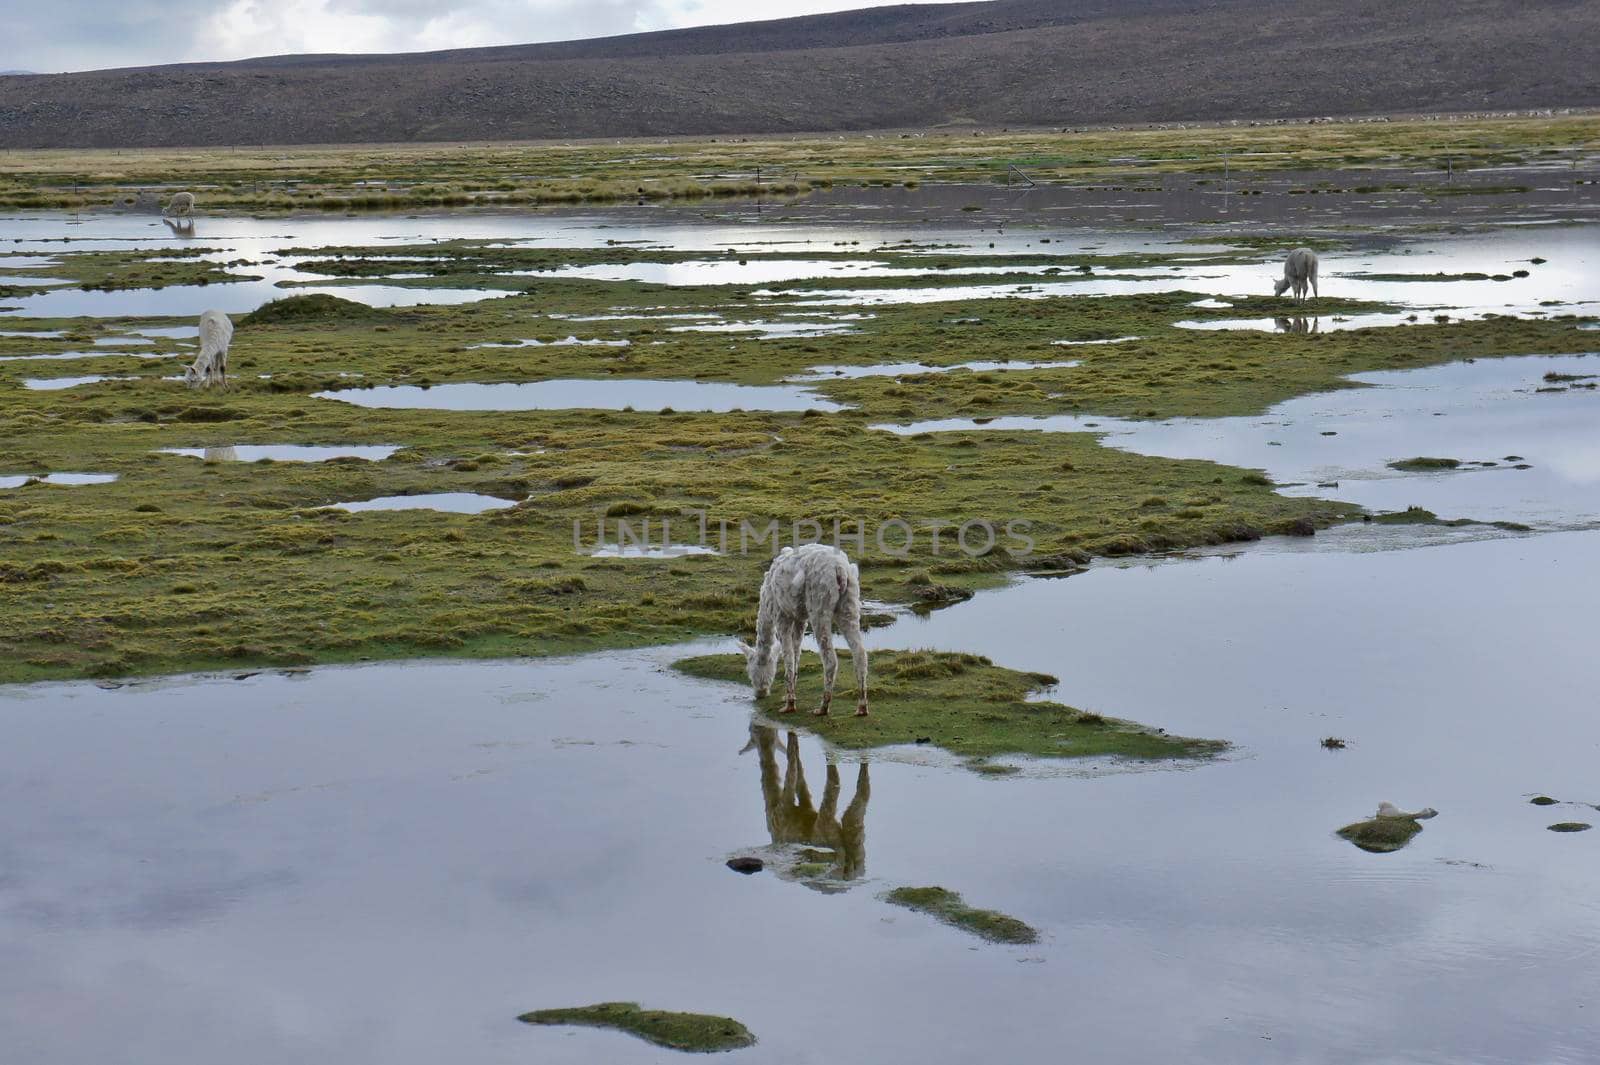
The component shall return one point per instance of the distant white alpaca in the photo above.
(211, 365)
(1299, 273)
(1389, 809)
(181, 204)
(816, 584)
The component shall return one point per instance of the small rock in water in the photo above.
(1570, 826)
(1542, 800)
(746, 865)
(1333, 743)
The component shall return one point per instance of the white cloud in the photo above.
(90, 34)
(244, 28)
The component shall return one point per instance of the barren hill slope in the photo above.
(1020, 62)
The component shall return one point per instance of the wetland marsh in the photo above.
(266, 753)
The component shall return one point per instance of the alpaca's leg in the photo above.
(830, 665)
(792, 635)
(858, 658)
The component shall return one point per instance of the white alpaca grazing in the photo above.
(1299, 273)
(181, 204)
(211, 365)
(1389, 809)
(816, 584)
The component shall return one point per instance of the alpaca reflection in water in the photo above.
(1299, 325)
(829, 850)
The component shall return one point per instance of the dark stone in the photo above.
(1542, 800)
(746, 865)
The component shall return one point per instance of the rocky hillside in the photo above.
(1016, 62)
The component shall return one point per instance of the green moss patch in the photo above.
(314, 308)
(1570, 826)
(695, 1033)
(963, 703)
(1381, 835)
(1425, 463)
(947, 906)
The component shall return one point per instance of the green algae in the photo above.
(962, 703)
(695, 1033)
(948, 907)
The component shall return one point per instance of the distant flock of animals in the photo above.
(813, 586)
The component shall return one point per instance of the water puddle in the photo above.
(908, 369)
(53, 384)
(771, 330)
(604, 394)
(568, 342)
(657, 551)
(1527, 445)
(284, 452)
(1091, 343)
(64, 355)
(236, 298)
(18, 480)
(449, 502)
(762, 271)
(32, 282)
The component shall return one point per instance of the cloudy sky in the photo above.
(54, 35)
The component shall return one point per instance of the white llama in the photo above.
(1299, 273)
(816, 584)
(211, 365)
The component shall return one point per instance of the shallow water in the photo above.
(902, 369)
(234, 298)
(285, 452)
(1485, 411)
(450, 502)
(217, 868)
(819, 225)
(603, 394)
(64, 355)
(658, 551)
(771, 330)
(18, 480)
(53, 384)
(568, 342)
(760, 271)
